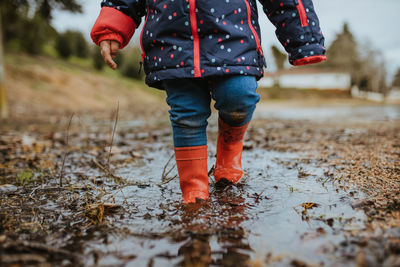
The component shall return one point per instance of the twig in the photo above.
(326, 180)
(164, 175)
(115, 177)
(108, 172)
(112, 136)
(211, 170)
(258, 196)
(22, 245)
(168, 180)
(33, 191)
(66, 149)
(85, 127)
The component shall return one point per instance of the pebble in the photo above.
(8, 189)
(359, 203)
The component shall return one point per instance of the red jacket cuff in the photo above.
(113, 25)
(309, 60)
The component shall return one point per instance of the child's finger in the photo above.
(114, 49)
(106, 53)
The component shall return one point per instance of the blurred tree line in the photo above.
(365, 65)
(27, 28)
(26, 24)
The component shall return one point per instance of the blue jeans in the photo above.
(189, 99)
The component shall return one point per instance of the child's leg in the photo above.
(236, 100)
(189, 100)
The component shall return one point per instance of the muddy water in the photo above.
(261, 220)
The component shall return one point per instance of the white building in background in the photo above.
(393, 97)
(307, 79)
(394, 94)
(298, 78)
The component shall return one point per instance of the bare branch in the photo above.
(66, 150)
(112, 136)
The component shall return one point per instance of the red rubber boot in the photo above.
(229, 152)
(193, 173)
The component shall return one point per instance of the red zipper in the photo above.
(196, 41)
(259, 49)
(141, 37)
(302, 13)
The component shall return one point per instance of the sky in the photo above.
(372, 22)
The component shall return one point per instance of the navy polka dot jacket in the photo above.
(200, 38)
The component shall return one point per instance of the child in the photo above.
(196, 50)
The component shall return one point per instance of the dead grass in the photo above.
(47, 85)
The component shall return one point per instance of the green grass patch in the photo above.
(26, 177)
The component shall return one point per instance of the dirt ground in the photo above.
(317, 192)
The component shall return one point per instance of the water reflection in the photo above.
(239, 225)
(196, 251)
(217, 221)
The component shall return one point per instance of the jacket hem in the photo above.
(155, 79)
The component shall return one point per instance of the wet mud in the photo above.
(315, 193)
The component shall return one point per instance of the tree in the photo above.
(37, 32)
(3, 102)
(396, 79)
(343, 53)
(72, 43)
(97, 59)
(130, 64)
(63, 45)
(371, 75)
(20, 27)
(279, 57)
(80, 45)
(365, 65)
(45, 7)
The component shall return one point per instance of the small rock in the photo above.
(248, 145)
(28, 140)
(360, 203)
(98, 181)
(147, 216)
(8, 189)
(136, 154)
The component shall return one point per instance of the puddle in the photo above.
(260, 220)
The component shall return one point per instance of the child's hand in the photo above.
(109, 50)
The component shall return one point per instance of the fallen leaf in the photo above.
(309, 205)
